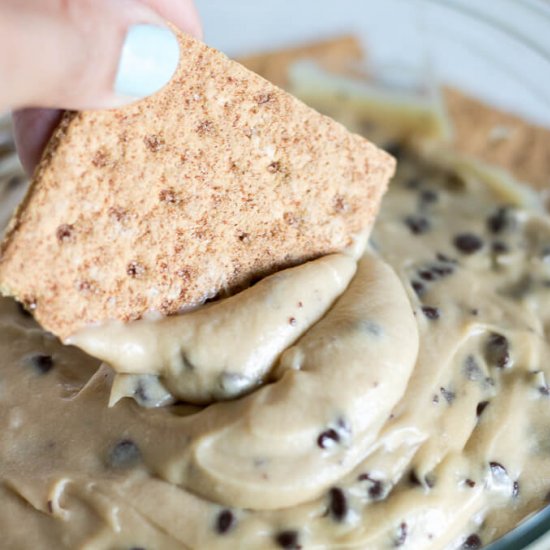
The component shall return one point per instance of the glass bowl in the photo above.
(496, 55)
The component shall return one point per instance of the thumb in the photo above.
(82, 54)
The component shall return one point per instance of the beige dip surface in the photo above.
(410, 409)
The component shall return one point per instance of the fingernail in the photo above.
(150, 56)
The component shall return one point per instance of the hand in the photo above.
(83, 54)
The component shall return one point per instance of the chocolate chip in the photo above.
(401, 534)
(498, 221)
(515, 489)
(497, 352)
(445, 259)
(288, 540)
(225, 522)
(472, 369)
(468, 243)
(124, 454)
(470, 482)
(338, 504)
(431, 313)
(544, 390)
(472, 542)
(376, 487)
(292, 321)
(442, 271)
(42, 363)
(429, 196)
(376, 490)
(418, 287)
(426, 275)
(481, 406)
(449, 396)
(498, 247)
(328, 438)
(417, 224)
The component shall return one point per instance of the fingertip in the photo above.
(32, 130)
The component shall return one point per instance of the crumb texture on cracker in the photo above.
(218, 179)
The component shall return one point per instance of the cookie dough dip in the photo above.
(394, 398)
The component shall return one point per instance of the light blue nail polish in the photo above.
(150, 56)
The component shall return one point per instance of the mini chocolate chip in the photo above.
(124, 454)
(417, 225)
(225, 522)
(292, 321)
(497, 351)
(445, 259)
(442, 271)
(435, 398)
(431, 313)
(401, 534)
(42, 363)
(429, 196)
(470, 482)
(473, 542)
(338, 504)
(498, 247)
(376, 490)
(49, 504)
(515, 489)
(426, 275)
(544, 390)
(498, 221)
(474, 312)
(418, 287)
(468, 243)
(328, 438)
(481, 406)
(289, 540)
(472, 369)
(449, 396)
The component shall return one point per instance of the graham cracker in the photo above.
(337, 55)
(499, 138)
(216, 180)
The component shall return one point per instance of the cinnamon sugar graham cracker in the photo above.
(216, 180)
